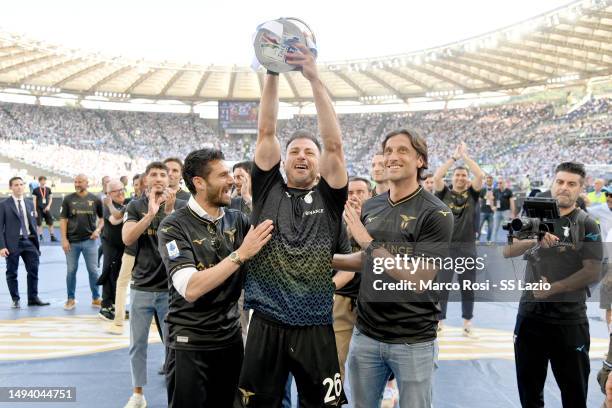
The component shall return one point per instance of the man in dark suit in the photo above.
(18, 238)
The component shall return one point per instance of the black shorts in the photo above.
(203, 378)
(46, 215)
(274, 349)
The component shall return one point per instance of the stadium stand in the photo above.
(506, 138)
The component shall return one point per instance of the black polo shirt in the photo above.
(187, 240)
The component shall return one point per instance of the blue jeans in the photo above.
(89, 249)
(488, 218)
(287, 396)
(143, 306)
(500, 218)
(370, 362)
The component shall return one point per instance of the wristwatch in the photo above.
(235, 258)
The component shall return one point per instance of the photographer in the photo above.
(552, 324)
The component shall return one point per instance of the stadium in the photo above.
(524, 97)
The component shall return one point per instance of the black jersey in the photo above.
(149, 273)
(111, 234)
(188, 240)
(464, 206)
(290, 279)
(418, 224)
(346, 246)
(82, 214)
(559, 263)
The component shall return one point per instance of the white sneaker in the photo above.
(136, 401)
(390, 396)
(469, 333)
(115, 329)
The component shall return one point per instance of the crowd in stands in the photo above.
(508, 140)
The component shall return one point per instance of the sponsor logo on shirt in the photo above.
(173, 251)
(182, 339)
(312, 212)
(370, 219)
(444, 213)
(246, 396)
(198, 241)
(406, 220)
(591, 236)
(166, 229)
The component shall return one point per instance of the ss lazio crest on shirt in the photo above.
(173, 251)
(308, 198)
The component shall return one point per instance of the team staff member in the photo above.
(175, 174)
(289, 284)
(42, 197)
(462, 199)
(393, 336)
(347, 283)
(552, 325)
(428, 183)
(81, 221)
(112, 242)
(127, 265)
(18, 238)
(378, 174)
(149, 288)
(203, 247)
(242, 199)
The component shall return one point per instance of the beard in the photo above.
(214, 195)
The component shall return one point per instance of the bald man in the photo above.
(597, 196)
(81, 221)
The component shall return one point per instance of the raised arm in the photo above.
(268, 149)
(332, 164)
(474, 168)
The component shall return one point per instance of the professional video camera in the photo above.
(541, 214)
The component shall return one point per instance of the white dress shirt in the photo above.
(25, 212)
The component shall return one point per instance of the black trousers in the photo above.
(110, 273)
(203, 378)
(28, 252)
(566, 347)
(467, 295)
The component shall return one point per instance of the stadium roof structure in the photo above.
(567, 45)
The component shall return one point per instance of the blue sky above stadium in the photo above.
(220, 32)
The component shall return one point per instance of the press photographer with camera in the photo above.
(551, 324)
